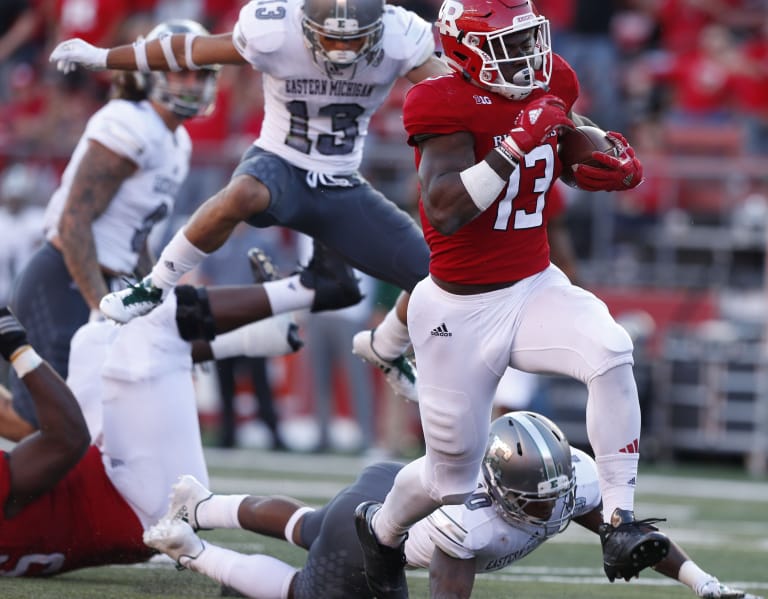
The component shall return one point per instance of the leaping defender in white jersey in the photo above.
(121, 180)
(533, 484)
(328, 65)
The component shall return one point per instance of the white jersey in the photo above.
(312, 121)
(136, 131)
(474, 529)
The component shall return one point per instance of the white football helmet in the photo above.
(184, 98)
(356, 21)
(529, 473)
(502, 45)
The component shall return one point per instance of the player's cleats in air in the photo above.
(333, 280)
(262, 268)
(136, 300)
(176, 539)
(400, 372)
(187, 494)
(630, 545)
(384, 566)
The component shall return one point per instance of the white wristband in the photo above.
(25, 361)
(167, 47)
(140, 55)
(189, 38)
(483, 184)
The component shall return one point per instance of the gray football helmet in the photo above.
(185, 100)
(529, 473)
(346, 20)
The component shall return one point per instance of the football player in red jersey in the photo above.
(67, 505)
(485, 139)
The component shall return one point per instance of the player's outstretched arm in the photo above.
(43, 458)
(678, 566)
(450, 577)
(171, 53)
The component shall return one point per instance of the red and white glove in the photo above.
(76, 52)
(533, 125)
(617, 174)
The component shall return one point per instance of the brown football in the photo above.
(575, 146)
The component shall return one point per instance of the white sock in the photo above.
(257, 576)
(406, 503)
(178, 257)
(391, 338)
(220, 511)
(692, 576)
(288, 294)
(617, 477)
(613, 427)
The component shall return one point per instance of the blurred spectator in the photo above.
(22, 189)
(587, 44)
(18, 25)
(702, 81)
(752, 90)
(96, 21)
(680, 22)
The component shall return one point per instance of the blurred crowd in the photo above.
(645, 66)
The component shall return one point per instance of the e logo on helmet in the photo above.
(449, 12)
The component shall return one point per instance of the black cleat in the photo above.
(384, 566)
(630, 545)
(332, 279)
(262, 268)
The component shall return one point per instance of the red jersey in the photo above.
(508, 241)
(83, 521)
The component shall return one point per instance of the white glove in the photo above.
(714, 589)
(73, 52)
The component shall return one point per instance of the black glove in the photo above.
(12, 334)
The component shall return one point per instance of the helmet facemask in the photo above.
(529, 472)
(186, 94)
(501, 47)
(357, 23)
(551, 508)
(184, 97)
(512, 59)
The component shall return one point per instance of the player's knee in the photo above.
(246, 195)
(447, 419)
(193, 313)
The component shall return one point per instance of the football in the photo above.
(575, 146)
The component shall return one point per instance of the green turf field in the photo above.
(722, 523)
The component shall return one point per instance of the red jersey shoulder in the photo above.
(437, 105)
(564, 84)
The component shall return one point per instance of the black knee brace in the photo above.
(193, 313)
